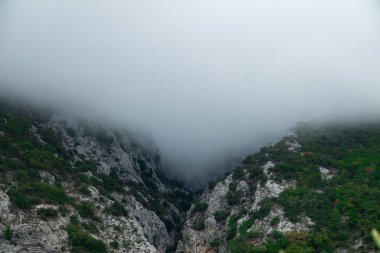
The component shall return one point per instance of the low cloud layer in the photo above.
(203, 78)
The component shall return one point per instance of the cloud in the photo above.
(204, 78)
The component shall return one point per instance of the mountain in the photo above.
(316, 190)
(68, 184)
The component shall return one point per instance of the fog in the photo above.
(208, 80)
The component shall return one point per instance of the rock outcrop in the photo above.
(106, 168)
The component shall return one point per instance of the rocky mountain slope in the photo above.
(69, 185)
(316, 190)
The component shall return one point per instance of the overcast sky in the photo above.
(203, 77)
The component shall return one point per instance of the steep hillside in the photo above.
(69, 185)
(317, 190)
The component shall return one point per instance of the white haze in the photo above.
(207, 79)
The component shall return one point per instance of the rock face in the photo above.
(70, 185)
(111, 170)
(284, 197)
(217, 200)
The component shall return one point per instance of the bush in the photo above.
(86, 209)
(82, 242)
(245, 225)
(115, 245)
(90, 227)
(117, 209)
(216, 242)
(46, 213)
(238, 174)
(85, 190)
(199, 225)
(276, 220)
(266, 206)
(232, 186)
(27, 195)
(233, 198)
(199, 207)
(232, 228)
(20, 199)
(8, 233)
(220, 215)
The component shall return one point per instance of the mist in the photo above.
(209, 81)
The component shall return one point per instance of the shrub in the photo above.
(275, 221)
(199, 207)
(90, 226)
(233, 198)
(266, 206)
(115, 245)
(232, 186)
(238, 174)
(74, 219)
(86, 209)
(232, 228)
(46, 213)
(254, 234)
(82, 242)
(85, 190)
(245, 225)
(8, 233)
(199, 225)
(64, 211)
(216, 242)
(20, 199)
(220, 215)
(31, 194)
(117, 209)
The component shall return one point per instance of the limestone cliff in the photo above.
(306, 193)
(62, 177)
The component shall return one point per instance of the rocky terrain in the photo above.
(317, 190)
(70, 185)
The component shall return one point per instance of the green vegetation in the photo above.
(115, 245)
(232, 227)
(86, 209)
(29, 194)
(117, 209)
(216, 242)
(35, 165)
(238, 174)
(199, 225)
(234, 198)
(85, 190)
(8, 233)
(221, 215)
(275, 221)
(264, 210)
(46, 213)
(82, 242)
(199, 207)
(343, 208)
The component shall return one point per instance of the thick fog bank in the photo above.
(209, 80)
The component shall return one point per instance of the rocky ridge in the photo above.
(136, 215)
(289, 194)
(70, 185)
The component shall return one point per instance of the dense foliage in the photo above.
(344, 207)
